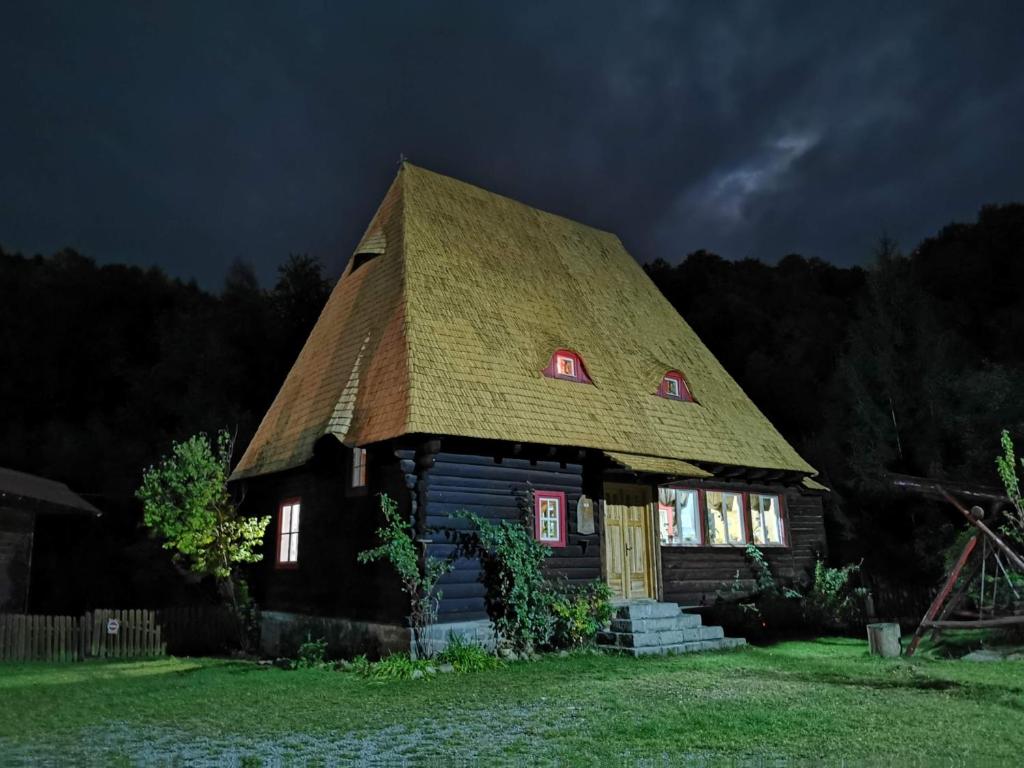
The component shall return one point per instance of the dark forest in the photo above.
(908, 365)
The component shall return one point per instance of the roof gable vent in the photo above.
(373, 245)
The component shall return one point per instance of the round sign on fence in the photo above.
(113, 625)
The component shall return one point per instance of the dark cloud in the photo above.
(191, 135)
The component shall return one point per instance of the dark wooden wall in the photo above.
(336, 524)
(695, 575)
(16, 528)
(471, 477)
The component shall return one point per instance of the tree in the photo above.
(186, 503)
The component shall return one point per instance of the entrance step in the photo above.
(646, 627)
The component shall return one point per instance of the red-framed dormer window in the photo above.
(566, 364)
(288, 533)
(674, 387)
(549, 517)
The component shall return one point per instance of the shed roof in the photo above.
(447, 330)
(51, 495)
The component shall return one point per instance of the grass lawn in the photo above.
(809, 702)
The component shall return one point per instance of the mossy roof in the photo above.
(443, 325)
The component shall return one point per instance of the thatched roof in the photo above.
(450, 309)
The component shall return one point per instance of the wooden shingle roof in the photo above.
(447, 330)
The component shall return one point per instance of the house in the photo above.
(29, 504)
(478, 354)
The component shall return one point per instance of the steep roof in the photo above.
(450, 309)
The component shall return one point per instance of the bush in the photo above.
(579, 613)
(419, 576)
(835, 600)
(517, 594)
(312, 653)
(467, 656)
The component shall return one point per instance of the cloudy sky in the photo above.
(189, 135)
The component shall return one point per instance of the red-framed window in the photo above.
(549, 517)
(568, 365)
(288, 514)
(674, 387)
(720, 518)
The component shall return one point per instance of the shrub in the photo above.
(517, 594)
(419, 576)
(399, 666)
(579, 613)
(467, 656)
(312, 653)
(835, 600)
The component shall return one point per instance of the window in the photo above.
(691, 517)
(358, 467)
(674, 387)
(766, 519)
(288, 534)
(549, 517)
(567, 365)
(725, 517)
(679, 516)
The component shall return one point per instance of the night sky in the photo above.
(190, 135)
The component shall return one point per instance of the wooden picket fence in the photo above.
(98, 634)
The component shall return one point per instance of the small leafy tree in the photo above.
(186, 502)
(419, 576)
(1007, 467)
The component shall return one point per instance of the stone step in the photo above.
(638, 639)
(646, 609)
(721, 644)
(682, 621)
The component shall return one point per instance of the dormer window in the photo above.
(673, 386)
(565, 364)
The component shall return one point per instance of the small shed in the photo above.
(23, 497)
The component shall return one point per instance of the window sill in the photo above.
(726, 547)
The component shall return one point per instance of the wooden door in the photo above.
(629, 558)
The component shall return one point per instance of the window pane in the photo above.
(668, 526)
(734, 517)
(294, 557)
(283, 552)
(295, 518)
(771, 517)
(725, 517)
(286, 519)
(716, 518)
(689, 525)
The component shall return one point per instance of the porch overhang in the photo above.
(657, 465)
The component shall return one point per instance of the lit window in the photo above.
(673, 386)
(725, 518)
(288, 533)
(565, 364)
(358, 467)
(549, 514)
(766, 519)
(679, 516)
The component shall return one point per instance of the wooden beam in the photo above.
(1003, 621)
(940, 598)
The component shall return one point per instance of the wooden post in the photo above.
(884, 639)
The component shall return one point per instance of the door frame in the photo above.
(653, 542)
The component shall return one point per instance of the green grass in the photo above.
(806, 702)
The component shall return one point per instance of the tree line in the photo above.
(907, 365)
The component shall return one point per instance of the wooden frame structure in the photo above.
(992, 546)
